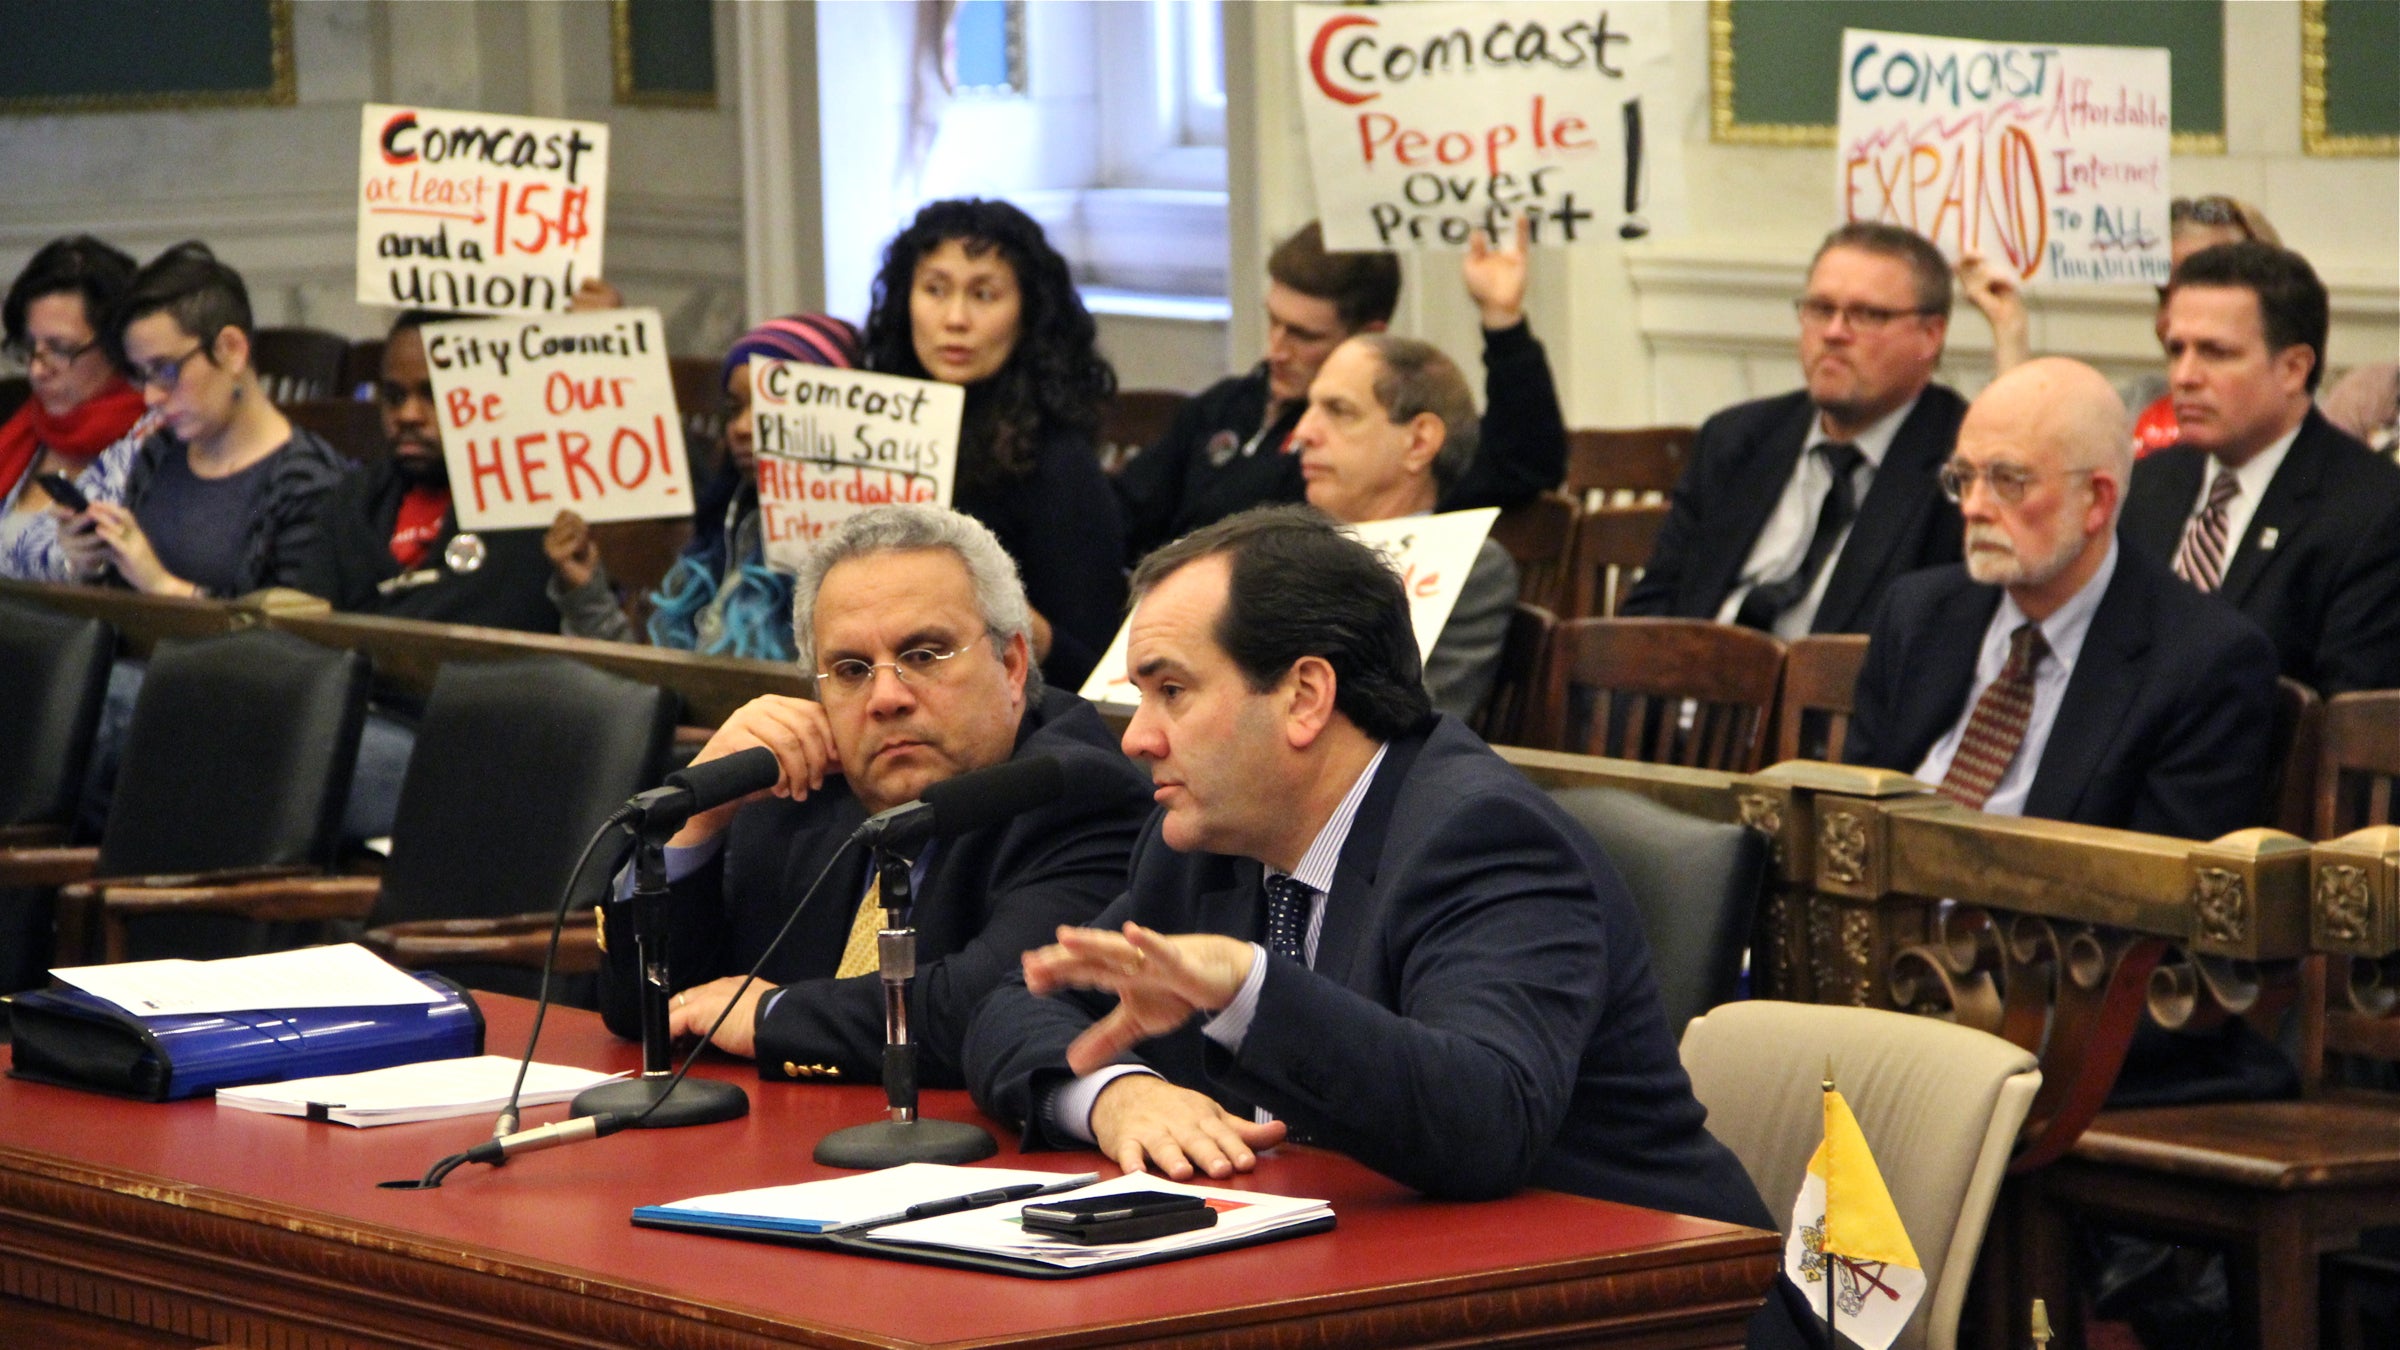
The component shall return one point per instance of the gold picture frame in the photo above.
(2314, 138)
(628, 94)
(283, 90)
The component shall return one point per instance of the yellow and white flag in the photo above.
(1846, 1236)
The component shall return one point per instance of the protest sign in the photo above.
(1430, 122)
(571, 412)
(1432, 554)
(477, 212)
(833, 442)
(2049, 160)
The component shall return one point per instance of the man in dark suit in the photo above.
(1351, 921)
(2263, 501)
(1797, 511)
(2056, 673)
(919, 631)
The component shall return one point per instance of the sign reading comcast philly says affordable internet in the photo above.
(832, 443)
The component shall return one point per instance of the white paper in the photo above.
(1432, 554)
(431, 1090)
(1429, 123)
(475, 212)
(572, 412)
(818, 1205)
(2050, 160)
(833, 443)
(342, 976)
(1000, 1229)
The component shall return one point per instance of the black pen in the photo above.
(976, 1200)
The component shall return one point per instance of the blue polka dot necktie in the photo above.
(1287, 918)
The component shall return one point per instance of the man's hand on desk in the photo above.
(794, 729)
(691, 1012)
(1159, 981)
(1141, 1119)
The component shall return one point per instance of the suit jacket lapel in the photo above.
(1351, 911)
(1945, 667)
(1901, 493)
(2169, 487)
(1754, 493)
(2106, 679)
(2288, 505)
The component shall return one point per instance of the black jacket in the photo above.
(350, 562)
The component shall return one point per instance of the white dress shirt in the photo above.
(2064, 631)
(1782, 543)
(2253, 477)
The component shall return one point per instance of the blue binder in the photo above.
(70, 1038)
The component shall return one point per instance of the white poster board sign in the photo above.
(573, 412)
(1432, 554)
(479, 213)
(833, 442)
(1429, 122)
(2049, 160)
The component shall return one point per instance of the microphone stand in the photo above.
(694, 1101)
(904, 1137)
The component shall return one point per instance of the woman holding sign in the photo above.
(972, 294)
(223, 498)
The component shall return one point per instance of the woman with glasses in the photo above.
(79, 406)
(224, 497)
(972, 294)
(2193, 223)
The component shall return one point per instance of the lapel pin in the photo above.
(2268, 536)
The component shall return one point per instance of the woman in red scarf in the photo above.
(80, 405)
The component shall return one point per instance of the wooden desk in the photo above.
(125, 1224)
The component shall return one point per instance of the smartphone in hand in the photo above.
(62, 490)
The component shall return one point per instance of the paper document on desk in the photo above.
(341, 976)
(815, 1206)
(1242, 1216)
(433, 1090)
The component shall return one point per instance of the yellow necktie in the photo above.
(859, 953)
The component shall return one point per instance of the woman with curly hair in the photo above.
(972, 294)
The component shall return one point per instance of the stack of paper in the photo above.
(1242, 1216)
(344, 975)
(818, 1206)
(432, 1090)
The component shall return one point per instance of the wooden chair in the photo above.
(1664, 691)
(352, 428)
(298, 363)
(638, 554)
(1612, 546)
(1637, 460)
(1540, 535)
(2291, 796)
(700, 402)
(362, 369)
(1518, 688)
(2281, 1185)
(1820, 685)
(1134, 420)
(14, 390)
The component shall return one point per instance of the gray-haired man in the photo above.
(914, 623)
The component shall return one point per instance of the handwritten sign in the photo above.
(2049, 160)
(832, 443)
(1430, 122)
(477, 212)
(569, 412)
(1432, 554)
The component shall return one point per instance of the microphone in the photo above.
(967, 802)
(701, 787)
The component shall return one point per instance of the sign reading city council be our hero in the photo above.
(832, 443)
(1428, 123)
(477, 212)
(572, 412)
(2049, 160)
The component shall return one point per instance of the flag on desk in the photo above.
(1847, 1242)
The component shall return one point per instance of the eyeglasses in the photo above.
(918, 666)
(1861, 318)
(2008, 482)
(57, 355)
(165, 374)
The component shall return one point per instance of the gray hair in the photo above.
(1417, 377)
(999, 595)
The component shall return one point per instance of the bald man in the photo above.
(2055, 673)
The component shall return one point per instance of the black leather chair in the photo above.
(517, 763)
(1697, 883)
(237, 759)
(53, 680)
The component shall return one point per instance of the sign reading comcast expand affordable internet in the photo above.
(833, 442)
